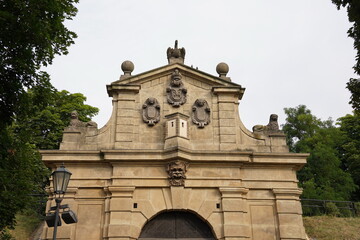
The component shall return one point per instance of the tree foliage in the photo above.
(32, 112)
(32, 33)
(47, 113)
(353, 11)
(350, 148)
(322, 177)
(21, 174)
(38, 125)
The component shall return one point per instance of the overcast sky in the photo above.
(285, 53)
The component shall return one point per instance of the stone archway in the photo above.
(176, 225)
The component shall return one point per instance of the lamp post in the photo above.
(61, 177)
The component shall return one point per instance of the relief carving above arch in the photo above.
(151, 111)
(176, 172)
(200, 113)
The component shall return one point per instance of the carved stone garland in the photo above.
(200, 113)
(176, 172)
(176, 92)
(151, 111)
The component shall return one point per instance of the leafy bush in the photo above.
(346, 213)
(331, 209)
(5, 235)
(357, 207)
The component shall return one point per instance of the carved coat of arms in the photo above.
(200, 113)
(151, 111)
(176, 92)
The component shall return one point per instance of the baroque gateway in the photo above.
(175, 162)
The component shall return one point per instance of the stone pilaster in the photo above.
(106, 211)
(126, 114)
(227, 102)
(234, 207)
(120, 209)
(289, 214)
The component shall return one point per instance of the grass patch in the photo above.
(318, 227)
(25, 226)
(332, 228)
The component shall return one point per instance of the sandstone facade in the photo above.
(175, 143)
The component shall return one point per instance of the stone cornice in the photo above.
(165, 70)
(116, 87)
(287, 194)
(156, 156)
(237, 90)
(64, 156)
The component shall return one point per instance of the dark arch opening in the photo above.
(176, 225)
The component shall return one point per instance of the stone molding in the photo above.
(239, 192)
(119, 191)
(237, 91)
(287, 193)
(116, 88)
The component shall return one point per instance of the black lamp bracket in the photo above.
(61, 207)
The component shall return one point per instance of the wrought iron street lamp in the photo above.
(61, 177)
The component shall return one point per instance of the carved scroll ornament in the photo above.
(151, 111)
(200, 113)
(176, 172)
(176, 92)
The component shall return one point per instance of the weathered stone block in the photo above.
(227, 138)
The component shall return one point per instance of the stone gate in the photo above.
(175, 161)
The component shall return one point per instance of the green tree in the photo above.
(322, 177)
(350, 148)
(350, 124)
(39, 125)
(32, 33)
(21, 174)
(353, 11)
(47, 113)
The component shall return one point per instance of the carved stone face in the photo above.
(176, 171)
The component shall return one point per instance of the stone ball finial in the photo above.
(222, 69)
(127, 67)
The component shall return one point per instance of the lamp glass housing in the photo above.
(61, 177)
